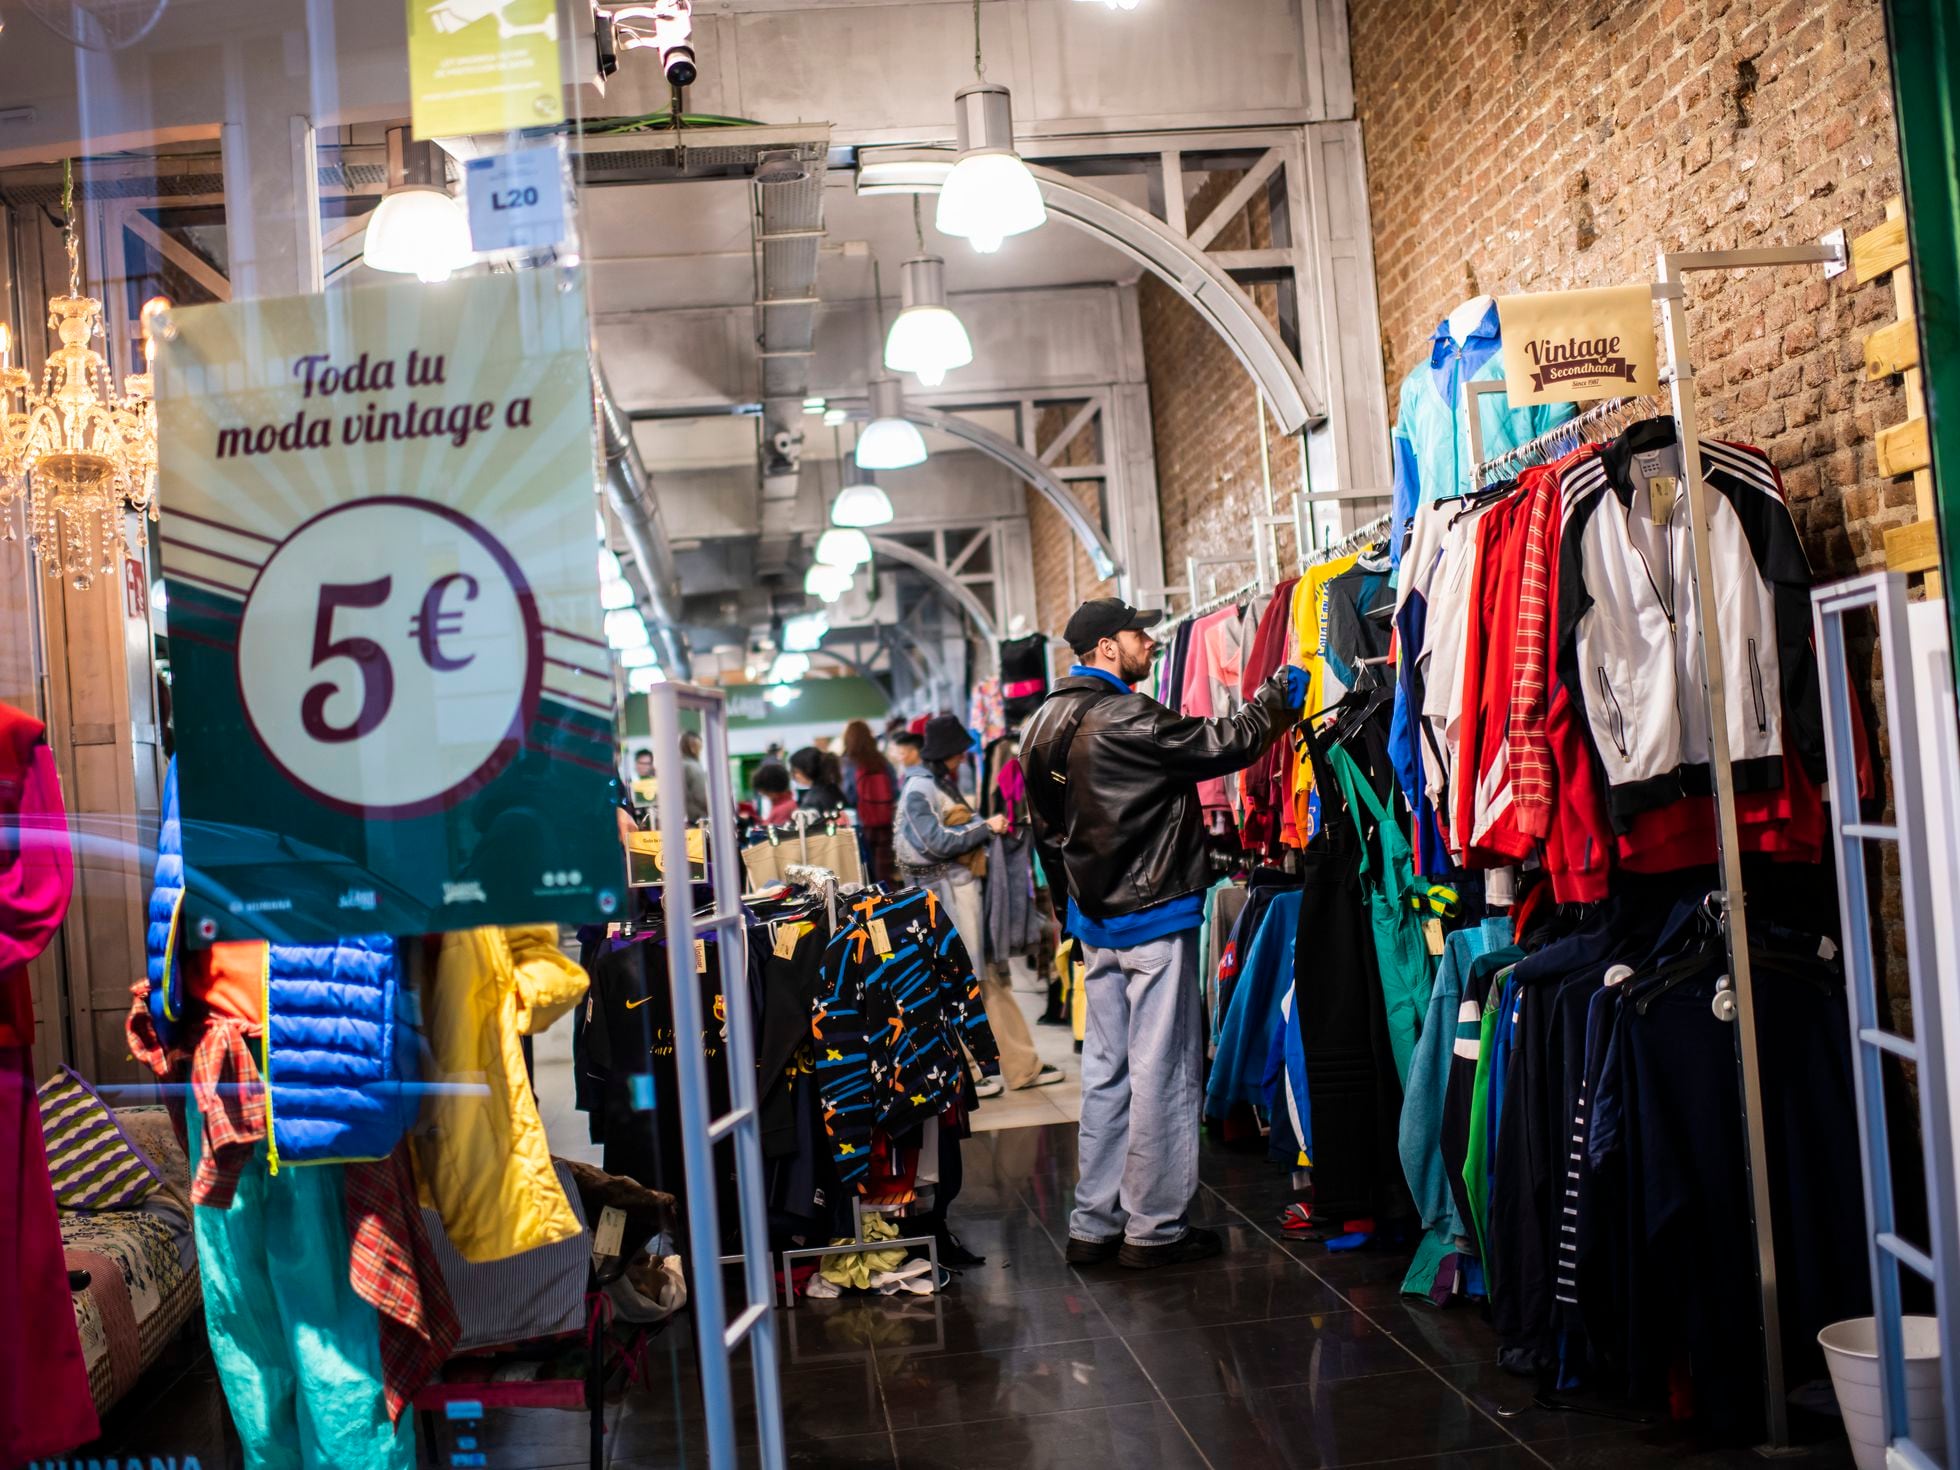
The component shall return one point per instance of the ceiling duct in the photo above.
(630, 493)
(787, 226)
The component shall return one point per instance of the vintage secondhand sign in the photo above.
(1574, 346)
(391, 687)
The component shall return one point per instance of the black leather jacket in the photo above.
(1132, 833)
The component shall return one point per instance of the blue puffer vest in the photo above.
(341, 1054)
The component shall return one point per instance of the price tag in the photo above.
(787, 938)
(880, 940)
(700, 956)
(1432, 935)
(1662, 491)
(612, 1226)
(516, 200)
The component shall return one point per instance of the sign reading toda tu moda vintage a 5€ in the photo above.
(390, 681)
(1574, 346)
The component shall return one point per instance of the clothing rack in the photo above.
(1354, 540)
(1669, 291)
(1608, 417)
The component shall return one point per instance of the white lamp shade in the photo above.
(779, 695)
(843, 546)
(418, 230)
(863, 505)
(890, 444)
(987, 197)
(788, 668)
(644, 678)
(625, 628)
(805, 633)
(615, 595)
(929, 341)
(827, 582)
(638, 658)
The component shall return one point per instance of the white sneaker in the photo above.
(989, 1087)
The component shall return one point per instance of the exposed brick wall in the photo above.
(1062, 574)
(1205, 415)
(1560, 146)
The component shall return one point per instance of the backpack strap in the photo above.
(1049, 797)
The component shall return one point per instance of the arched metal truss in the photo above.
(949, 586)
(1030, 468)
(1182, 264)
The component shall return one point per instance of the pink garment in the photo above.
(1012, 782)
(37, 864)
(1197, 694)
(45, 1407)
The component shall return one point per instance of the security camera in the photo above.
(785, 442)
(666, 26)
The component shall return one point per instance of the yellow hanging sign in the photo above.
(1575, 346)
(483, 66)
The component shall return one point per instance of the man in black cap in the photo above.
(1112, 779)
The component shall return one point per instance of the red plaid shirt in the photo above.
(1528, 742)
(391, 1264)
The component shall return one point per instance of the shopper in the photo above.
(871, 789)
(772, 795)
(934, 837)
(817, 790)
(904, 747)
(1112, 777)
(694, 776)
(643, 764)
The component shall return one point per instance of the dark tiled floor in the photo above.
(1278, 1354)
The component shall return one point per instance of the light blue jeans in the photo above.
(1140, 1093)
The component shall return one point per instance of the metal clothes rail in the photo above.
(1669, 291)
(1359, 537)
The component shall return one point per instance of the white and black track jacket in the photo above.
(1629, 621)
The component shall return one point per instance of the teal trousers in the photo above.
(298, 1352)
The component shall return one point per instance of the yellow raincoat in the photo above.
(484, 1162)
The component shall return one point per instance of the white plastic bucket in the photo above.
(1851, 1350)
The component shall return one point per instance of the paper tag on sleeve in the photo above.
(786, 937)
(880, 940)
(612, 1227)
(700, 956)
(1432, 935)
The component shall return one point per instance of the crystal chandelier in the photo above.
(76, 450)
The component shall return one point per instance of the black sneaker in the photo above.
(1093, 1252)
(1196, 1244)
(953, 1253)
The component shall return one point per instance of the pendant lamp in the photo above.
(889, 441)
(862, 505)
(827, 582)
(417, 229)
(990, 194)
(927, 340)
(843, 546)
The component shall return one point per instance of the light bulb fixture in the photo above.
(638, 658)
(844, 546)
(1115, 4)
(927, 339)
(832, 417)
(890, 441)
(615, 595)
(827, 582)
(861, 505)
(805, 633)
(417, 229)
(990, 194)
(778, 695)
(640, 680)
(787, 668)
(625, 628)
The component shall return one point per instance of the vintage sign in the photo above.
(483, 66)
(1574, 346)
(392, 692)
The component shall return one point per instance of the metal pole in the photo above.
(691, 1067)
(751, 1187)
(1735, 920)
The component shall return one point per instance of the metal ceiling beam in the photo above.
(1029, 467)
(1185, 267)
(949, 586)
(629, 490)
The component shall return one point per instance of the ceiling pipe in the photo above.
(629, 490)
